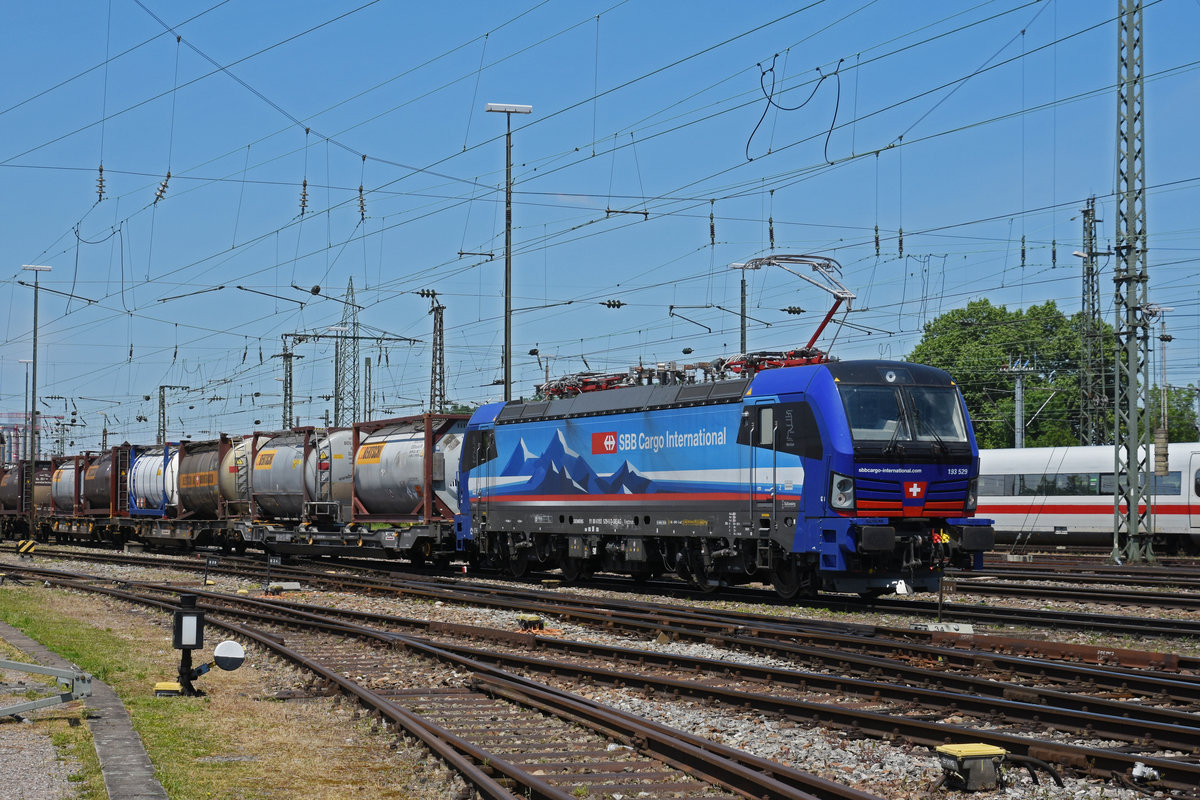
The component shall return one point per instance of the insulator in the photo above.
(900, 240)
(100, 183)
(1022, 250)
(362, 204)
(771, 230)
(1053, 253)
(876, 240)
(712, 224)
(303, 196)
(162, 188)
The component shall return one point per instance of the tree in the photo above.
(461, 408)
(1181, 412)
(986, 347)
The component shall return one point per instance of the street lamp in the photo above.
(743, 268)
(37, 270)
(508, 110)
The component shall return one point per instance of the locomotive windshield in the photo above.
(899, 415)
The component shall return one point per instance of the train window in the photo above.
(874, 413)
(1171, 483)
(994, 485)
(787, 427)
(478, 446)
(937, 414)
(766, 427)
(797, 431)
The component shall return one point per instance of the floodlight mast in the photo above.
(822, 265)
(508, 109)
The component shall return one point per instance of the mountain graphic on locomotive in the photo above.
(810, 475)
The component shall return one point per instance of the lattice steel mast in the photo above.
(1131, 507)
(345, 385)
(1091, 368)
(437, 372)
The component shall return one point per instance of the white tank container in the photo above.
(151, 476)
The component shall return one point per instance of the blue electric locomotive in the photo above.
(855, 476)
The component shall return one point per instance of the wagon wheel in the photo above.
(518, 564)
(642, 575)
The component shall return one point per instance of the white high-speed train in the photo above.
(1064, 496)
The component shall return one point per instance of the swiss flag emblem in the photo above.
(604, 442)
(914, 490)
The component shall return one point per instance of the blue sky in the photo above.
(968, 125)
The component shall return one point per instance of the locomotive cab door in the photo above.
(1191, 483)
(763, 430)
(478, 467)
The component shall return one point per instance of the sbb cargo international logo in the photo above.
(604, 442)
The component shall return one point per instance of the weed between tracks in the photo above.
(236, 742)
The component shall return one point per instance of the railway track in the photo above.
(381, 576)
(509, 737)
(1025, 720)
(520, 595)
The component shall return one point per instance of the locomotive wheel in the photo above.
(573, 569)
(787, 579)
(695, 570)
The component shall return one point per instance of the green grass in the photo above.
(175, 730)
(234, 743)
(66, 727)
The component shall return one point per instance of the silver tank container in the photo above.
(10, 487)
(233, 479)
(62, 488)
(284, 478)
(389, 469)
(199, 492)
(97, 482)
(150, 476)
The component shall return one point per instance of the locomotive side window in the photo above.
(766, 427)
(787, 427)
(479, 446)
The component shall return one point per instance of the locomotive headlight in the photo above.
(841, 493)
(972, 494)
